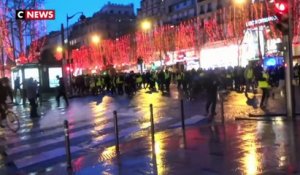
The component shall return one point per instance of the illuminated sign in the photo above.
(261, 21)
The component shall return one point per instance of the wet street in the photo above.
(238, 147)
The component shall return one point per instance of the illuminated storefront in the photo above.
(52, 73)
(44, 75)
(213, 57)
(253, 46)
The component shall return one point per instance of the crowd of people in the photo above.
(241, 79)
(270, 80)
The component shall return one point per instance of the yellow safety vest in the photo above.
(249, 73)
(167, 75)
(139, 79)
(92, 83)
(119, 81)
(264, 83)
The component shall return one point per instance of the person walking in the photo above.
(167, 80)
(120, 84)
(17, 88)
(249, 77)
(61, 91)
(212, 93)
(263, 83)
(31, 91)
(3, 106)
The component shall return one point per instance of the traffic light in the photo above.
(282, 14)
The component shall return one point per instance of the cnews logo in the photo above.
(35, 14)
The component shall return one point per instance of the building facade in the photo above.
(111, 22)
(167, 11)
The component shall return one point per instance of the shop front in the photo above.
(44, 75)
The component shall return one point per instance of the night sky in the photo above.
(88, 7)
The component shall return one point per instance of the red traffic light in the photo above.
(281, 7)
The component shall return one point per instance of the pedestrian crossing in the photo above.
(39, 146)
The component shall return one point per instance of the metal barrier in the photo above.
(116, 132)
(222, 107)
(182, 116)
(67, 142)
(152, 124)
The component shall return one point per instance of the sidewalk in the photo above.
(238, 148)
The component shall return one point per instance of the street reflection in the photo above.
(160, 153)
(107, 155)
(251, 160)
(267, 145)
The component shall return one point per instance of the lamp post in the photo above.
(81, 18)
(12, 40)
(146, 26)
(288, 39)
(96, 40)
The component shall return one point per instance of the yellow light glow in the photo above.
(146, 25)
(95, 39)
(160, 153)
(251, 160)
(59, 49)
(239, 1)
(107, 154)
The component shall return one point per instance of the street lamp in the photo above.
(239, 2)
(96, 41)
(82, 17)
(59, 49)
(146, 25)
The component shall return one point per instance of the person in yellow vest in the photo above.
(139, 81)
(264, 84)
(179, 78)
(152, 80)
(249, 77)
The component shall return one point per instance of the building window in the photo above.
(209, 8)
(119, 12)
(111, 12)
(171, 9)
(219, 4)
(202, 9)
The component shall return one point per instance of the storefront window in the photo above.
(32, 73)
(16, 74)
(53, 72)
(219, 57)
